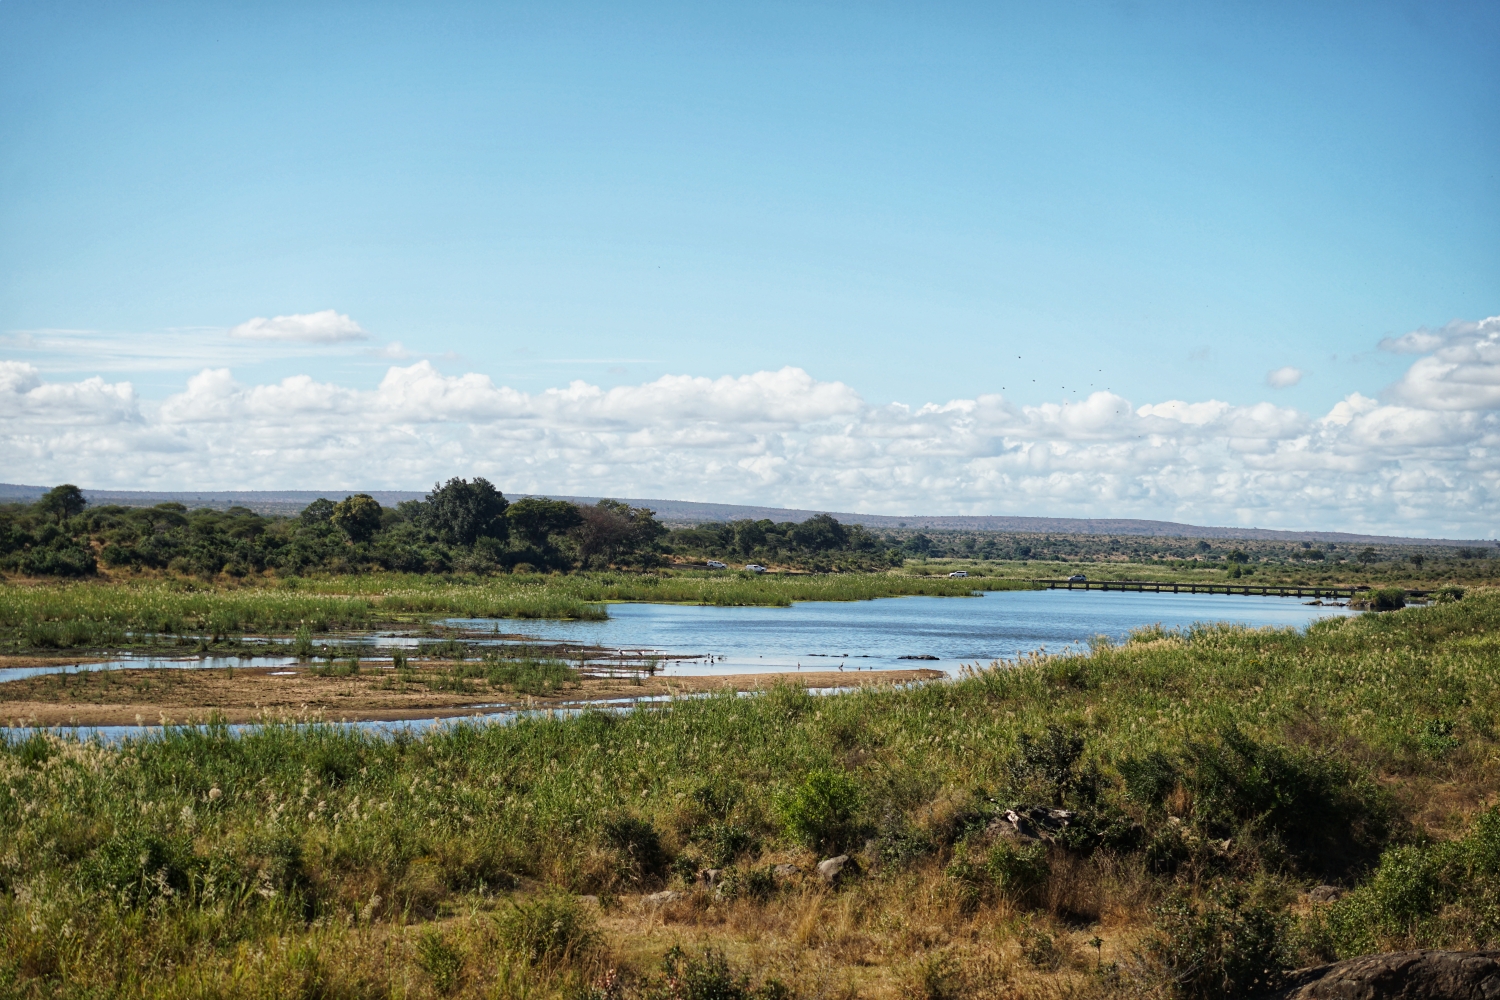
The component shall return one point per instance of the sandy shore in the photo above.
(130, 697)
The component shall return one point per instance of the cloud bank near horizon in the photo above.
(1421, 460)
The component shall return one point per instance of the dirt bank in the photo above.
(128, 697)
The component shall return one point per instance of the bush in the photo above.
(707, 976)
(1019, 873)
(135, 867)
(551, 930)
(1444, 894)
(723, 842)
(1385, 599)
(1048, 765)
(1317, 809)
(820, 813)
(1149, 779)
(440, 961)
(1222, 947)
(638, 845)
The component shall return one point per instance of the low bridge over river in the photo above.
(1158, 587)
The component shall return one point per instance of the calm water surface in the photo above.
(824, 635)
(854, 635)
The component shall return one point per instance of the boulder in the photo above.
(1406, 975)
(711, 876)
(665, 896)
(1326, 894)
(830, 869)
(1030, 823)
(785, 871)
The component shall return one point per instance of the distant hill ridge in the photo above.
(686, 512)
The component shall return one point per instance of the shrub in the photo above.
(550, 930)
(936, 977)
(1149, 779)
(718, 796)
(638, 845)
(747, 883)
(1222, 947)
(1436, 738)
(707, 976)
(1385, 599)
(135, 867)
(1325, 815)
(1019, 873)
(1447, 595)
(440, 961)
(1442, 894)
(820, 812)
(723, 842)
(1048, 765)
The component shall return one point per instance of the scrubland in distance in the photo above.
(1214, 775)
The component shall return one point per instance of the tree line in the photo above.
(460, 526)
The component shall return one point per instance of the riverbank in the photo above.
(377, 692)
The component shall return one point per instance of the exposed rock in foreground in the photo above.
(1405, 975)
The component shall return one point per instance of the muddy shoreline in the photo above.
(253, 694)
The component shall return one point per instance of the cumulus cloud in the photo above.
(1423, 458)
(1461, 372)
(325, 327)
(1284, 377)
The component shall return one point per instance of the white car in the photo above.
(754, 568)
(715, 564)
(959, 574)
(1078, 578)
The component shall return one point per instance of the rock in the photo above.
(665, 896)
(1406, 975)
(589, 900)
(1030, 823)
(711, 876)
(829, 869)
(785, 871)
(1326, 894)
(924, 656)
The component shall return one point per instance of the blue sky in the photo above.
(925, 204)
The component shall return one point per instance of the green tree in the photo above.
(536, 519)
(320, 511)
(462, 512)
(820, 534)
(749, 535)
(357, 516)
(62, 502)
(610, 530)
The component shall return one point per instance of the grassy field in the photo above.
(116, 614)
(1432, 574)
(1212, 778)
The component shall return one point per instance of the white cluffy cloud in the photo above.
(1284, 377)
(1423, 459)
(325, 327)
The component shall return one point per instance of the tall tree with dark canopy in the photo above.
(536, 519)
(611, 530)
(357, 516)
(462, 512)
(62, 502)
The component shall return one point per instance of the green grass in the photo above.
(1432, 575)
(105, 615)
(1215, 760)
